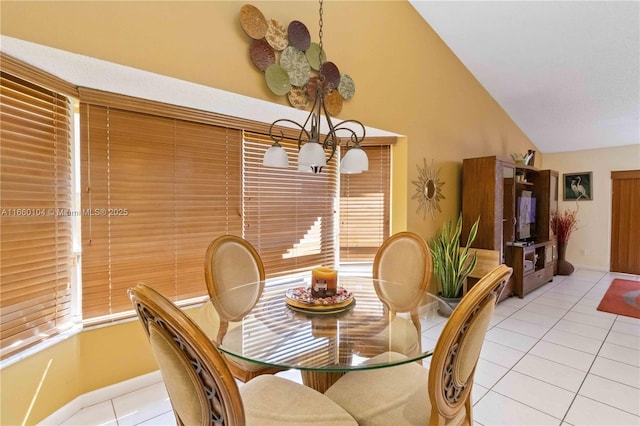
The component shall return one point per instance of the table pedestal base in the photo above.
(320, 380)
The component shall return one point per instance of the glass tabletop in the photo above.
(359, 332)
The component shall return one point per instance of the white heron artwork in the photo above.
(577, 186)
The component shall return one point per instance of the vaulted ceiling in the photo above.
(567, 72)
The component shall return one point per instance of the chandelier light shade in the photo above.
(355, 161)
(311, 156)
(276, 156)
(313, 145)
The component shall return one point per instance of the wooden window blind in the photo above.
(35, 227)
(289, 216)
(364, 207)
(159, 190)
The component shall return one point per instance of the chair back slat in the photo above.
(232, 267)
(201, 387)
(231, 262)
(404, 258)
(457, 351)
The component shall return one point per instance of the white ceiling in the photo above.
(567, 72)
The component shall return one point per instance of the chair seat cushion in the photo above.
(270, 400)
(387, 396)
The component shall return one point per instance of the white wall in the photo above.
(590, 245)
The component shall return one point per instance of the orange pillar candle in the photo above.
(324, 282)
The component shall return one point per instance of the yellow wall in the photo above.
(407, 82)
(590, 245)
(32, 389)
(36, 386)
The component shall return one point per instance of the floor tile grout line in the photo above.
(610, 406)
(491, 389)
(497, 325)
(154, 417)
(601, 328)
(113, 409)
(563, 317)
(527, 405)
(616, 360)
(615, 381)
(575, 396)
(584, 297)
(594, 360)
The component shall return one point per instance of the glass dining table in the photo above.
(285, 329)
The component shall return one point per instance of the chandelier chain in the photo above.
(311, 142)
(320, 22)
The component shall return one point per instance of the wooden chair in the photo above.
(231, 262)
(404, 258)
(410, 394)
(203, 390)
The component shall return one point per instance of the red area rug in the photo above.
(622, 298)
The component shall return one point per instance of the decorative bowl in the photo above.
(518, 158)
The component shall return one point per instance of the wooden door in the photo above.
(625, 226)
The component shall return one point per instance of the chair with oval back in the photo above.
(403, 258)
(232, 262)
(202, 389)
(410, 394)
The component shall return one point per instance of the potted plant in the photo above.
(562, 224)
(452, 263)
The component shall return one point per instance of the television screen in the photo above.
(526, 214)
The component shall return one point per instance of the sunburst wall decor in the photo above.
(428, 189)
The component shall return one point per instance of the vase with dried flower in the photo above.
(563, 223)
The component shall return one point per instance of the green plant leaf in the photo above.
(451, 263)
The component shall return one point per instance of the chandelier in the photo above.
(312, 144)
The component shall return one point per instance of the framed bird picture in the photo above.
(578, 186)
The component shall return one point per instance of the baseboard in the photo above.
(591, 267)
(63, 413)
(100, 395)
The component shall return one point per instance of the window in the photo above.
(158, 190)
(35, 227)
(288, 216)
(158, 183)
(364, 208)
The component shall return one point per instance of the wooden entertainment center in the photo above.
(514, 203)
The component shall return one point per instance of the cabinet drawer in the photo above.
(537, 278)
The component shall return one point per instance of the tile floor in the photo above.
(548, 359)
